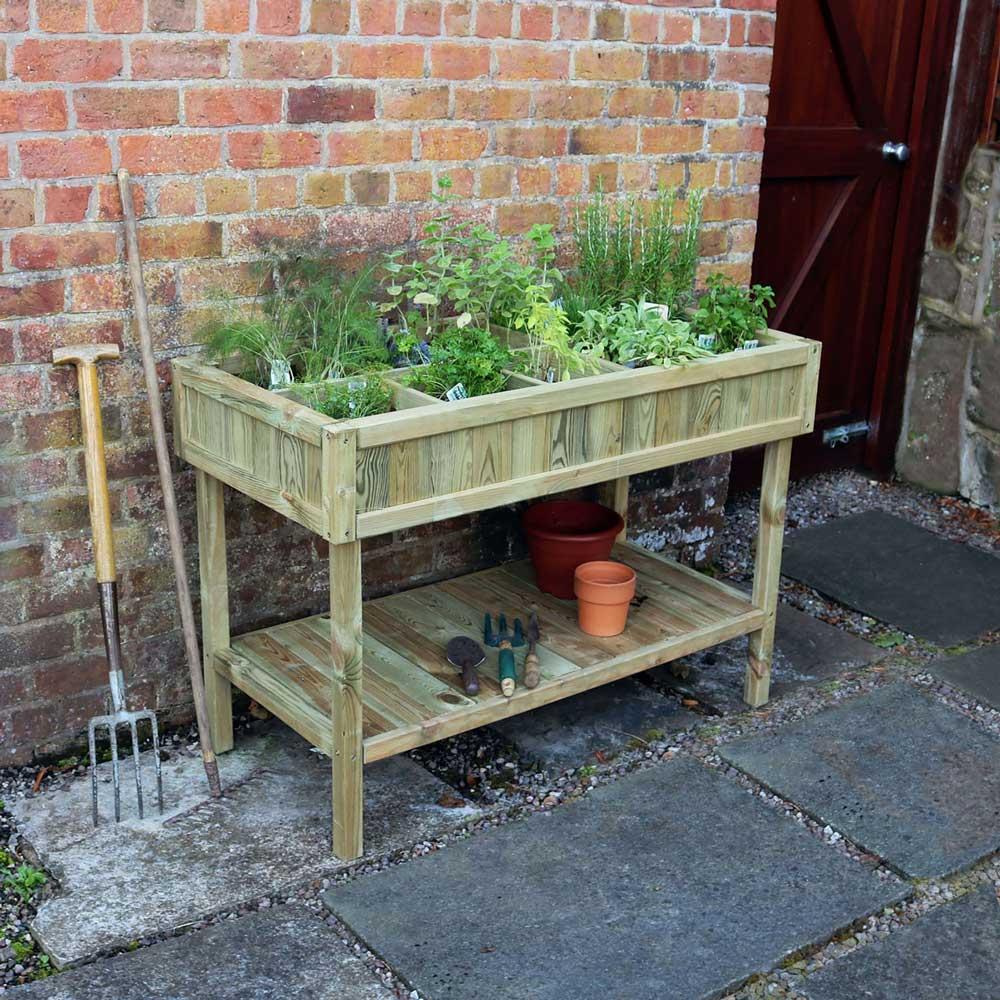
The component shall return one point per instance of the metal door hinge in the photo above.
(845, 433)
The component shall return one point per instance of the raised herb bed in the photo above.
(370, 680)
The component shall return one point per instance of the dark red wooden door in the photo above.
(837, 216)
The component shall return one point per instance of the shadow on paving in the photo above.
(672, 883)
(902, 775)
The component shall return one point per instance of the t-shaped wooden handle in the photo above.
(85, 357)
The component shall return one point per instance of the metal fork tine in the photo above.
(156, 762)
(115, 776)
(135, 757)
(91, 740)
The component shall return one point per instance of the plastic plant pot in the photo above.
(562, 534)
(604, 591)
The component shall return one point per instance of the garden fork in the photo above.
(85, 357)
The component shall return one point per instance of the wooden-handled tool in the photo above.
(85, 357)
(504, 640)
(467, 655)
(532, 674)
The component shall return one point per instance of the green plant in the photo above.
(638, 334)
(358, 397)
(471, 357)
(731, 313)
(22, 950)
(24, 881)
(7, 860)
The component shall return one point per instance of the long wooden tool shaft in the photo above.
(141, 310)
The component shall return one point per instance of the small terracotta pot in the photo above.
(604, 590)
(562, 534)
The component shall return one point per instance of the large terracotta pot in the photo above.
(562, 534)
(604, 591)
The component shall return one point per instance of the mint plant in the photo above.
(731, 313)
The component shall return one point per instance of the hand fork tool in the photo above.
(85, 357)
(505, 640)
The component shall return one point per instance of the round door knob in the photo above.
(897, 151)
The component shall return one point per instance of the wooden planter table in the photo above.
(369, 679)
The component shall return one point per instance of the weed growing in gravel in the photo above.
(25, 880)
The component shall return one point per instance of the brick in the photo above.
(755, 103)
(279, 17)
(19, 390)
(4, 158)
(743, 67)
(62, 16)
(186, 60)
(170, 154)
(535, 21)
(14, 16)
(737, 31)
(672, 138)
(573, 22)
(41, 252)
(683, 66)
(6, 347)
(602, 176)
(67, 204)
(67, 60)
(377, 17)
(268, 150)
(725, 208)
(534, 181)
(35, 641)
(494, 20)
(712, 29)
(171, 15)
(519, 217)
(608, 64)
(677, 29)
(366, 229)
(226, 195)
(636, 175)
(748, 172)
(413, 185)
(324, 189)
(609, 24)
(569, 178)
(458, 18)
(492, 104)
(330, 103)
(643, 102)
(736, 139)
(20, 562)
(61, 428)
(532, 62)
(761, 5)
(422, 17)
(125, 107)
(214, 106)
(569, 102)
(228, 17)
(601, 140)
(118, 16)
(100, 291)
(177, 198)
(710, 103)
(458, 61)
(374, 60)
(276, 191)
(415, 103)
(761, 31)
(452, 143)
(370, 187)
(530, 140)
(17, 208)
(330, 17)
(31, 298)
(177, 241)
(109, 202)
(203, 281)
(39, 338)
(32, 111)
(251, 233)
(370, 145)
(643, 26)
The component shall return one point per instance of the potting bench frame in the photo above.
(370, 680)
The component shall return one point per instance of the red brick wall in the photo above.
(325, 121)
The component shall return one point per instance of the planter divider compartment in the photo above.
(370, 679)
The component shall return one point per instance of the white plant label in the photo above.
(749, 345)
(456, 392)
(706, 341)
(281, 374)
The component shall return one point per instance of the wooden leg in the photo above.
(614, 494)
(214, 607)
(348, 750)
(767, 570)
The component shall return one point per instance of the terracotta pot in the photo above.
(562, 534)
(604, 590)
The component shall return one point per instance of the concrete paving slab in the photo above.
(896, 572)
(273, 955)
(953, 951)
(672, 883)
(270, 831)
(806, 651)
(566, 733)
(906, 777)
(976, 672)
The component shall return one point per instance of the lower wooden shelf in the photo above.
(413, 696)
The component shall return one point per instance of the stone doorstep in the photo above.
(270, 833)
(283, 952)
(902, 775)
(952, 951)
(671, 883)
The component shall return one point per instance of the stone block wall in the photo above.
(951, 433)
(325, 122)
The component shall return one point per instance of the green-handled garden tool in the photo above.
(504, 640)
